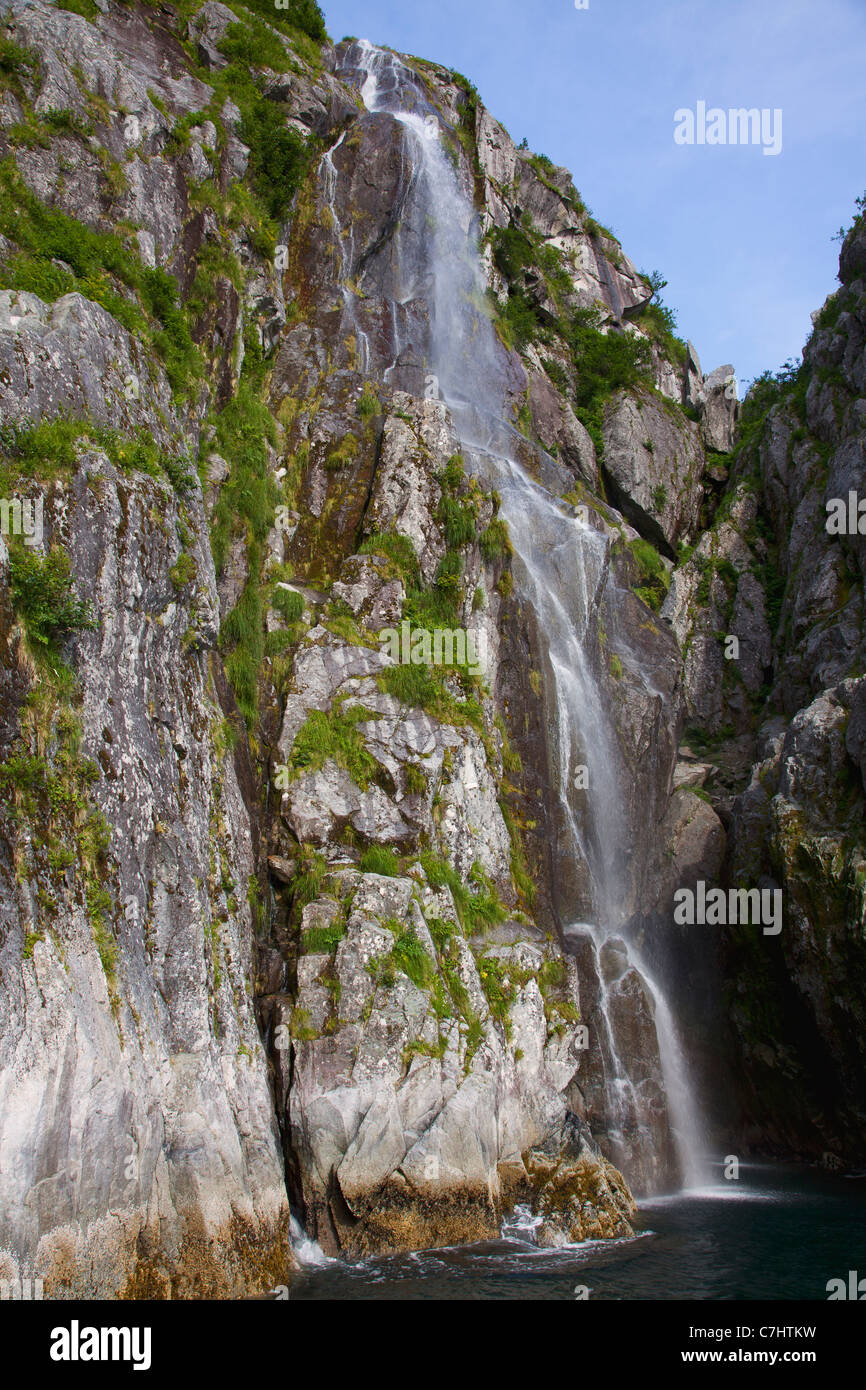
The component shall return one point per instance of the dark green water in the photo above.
(777, 1233)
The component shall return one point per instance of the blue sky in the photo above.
(743, 239)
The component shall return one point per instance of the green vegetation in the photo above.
(86, 8)
(335, 736)
(48, 802)
(495, 542)
(520, 876)
(860, 204)
(16, 63)
(379, 859)
(436, 606)
(369, 404)
(788, 385)
(312, 871)
(253, 44)
(345, 452)
(246, 507)
(51, 448)
(606, 359)
(399, 551)
(423, 687)
(279, 156)
(43, 598)
(605, 363)
(517, 249)
(289, 604)
(659, 322)
(410, 957)
(654, 577)
(183, 571)
(297, 16)
(100, 262)
(501, 980)
(321, 940)
(476, 902)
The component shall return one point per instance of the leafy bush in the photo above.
(43, 598)
(254, 45)
(519, 322)
(278, 154)
(15, 62)
(660, 323)
(304, 15)
(512, 251)
(606, 362)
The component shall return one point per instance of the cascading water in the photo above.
(560, 564)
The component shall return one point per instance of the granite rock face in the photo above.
(294, 919)
(780, 711)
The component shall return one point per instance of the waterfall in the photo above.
(560, 565)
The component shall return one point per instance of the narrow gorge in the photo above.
(396, 625)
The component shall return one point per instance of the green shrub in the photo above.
(42, 596)
(15, 62)
(519, 322)
(254, 45)
(304, 15)
(44, 234)
(606, 363)
(278, 154)
(512, 251)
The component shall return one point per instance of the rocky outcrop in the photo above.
(777, 713)
(424, 1064)
(653, 462)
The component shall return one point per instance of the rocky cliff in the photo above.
(290, 919)
(779, 730)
